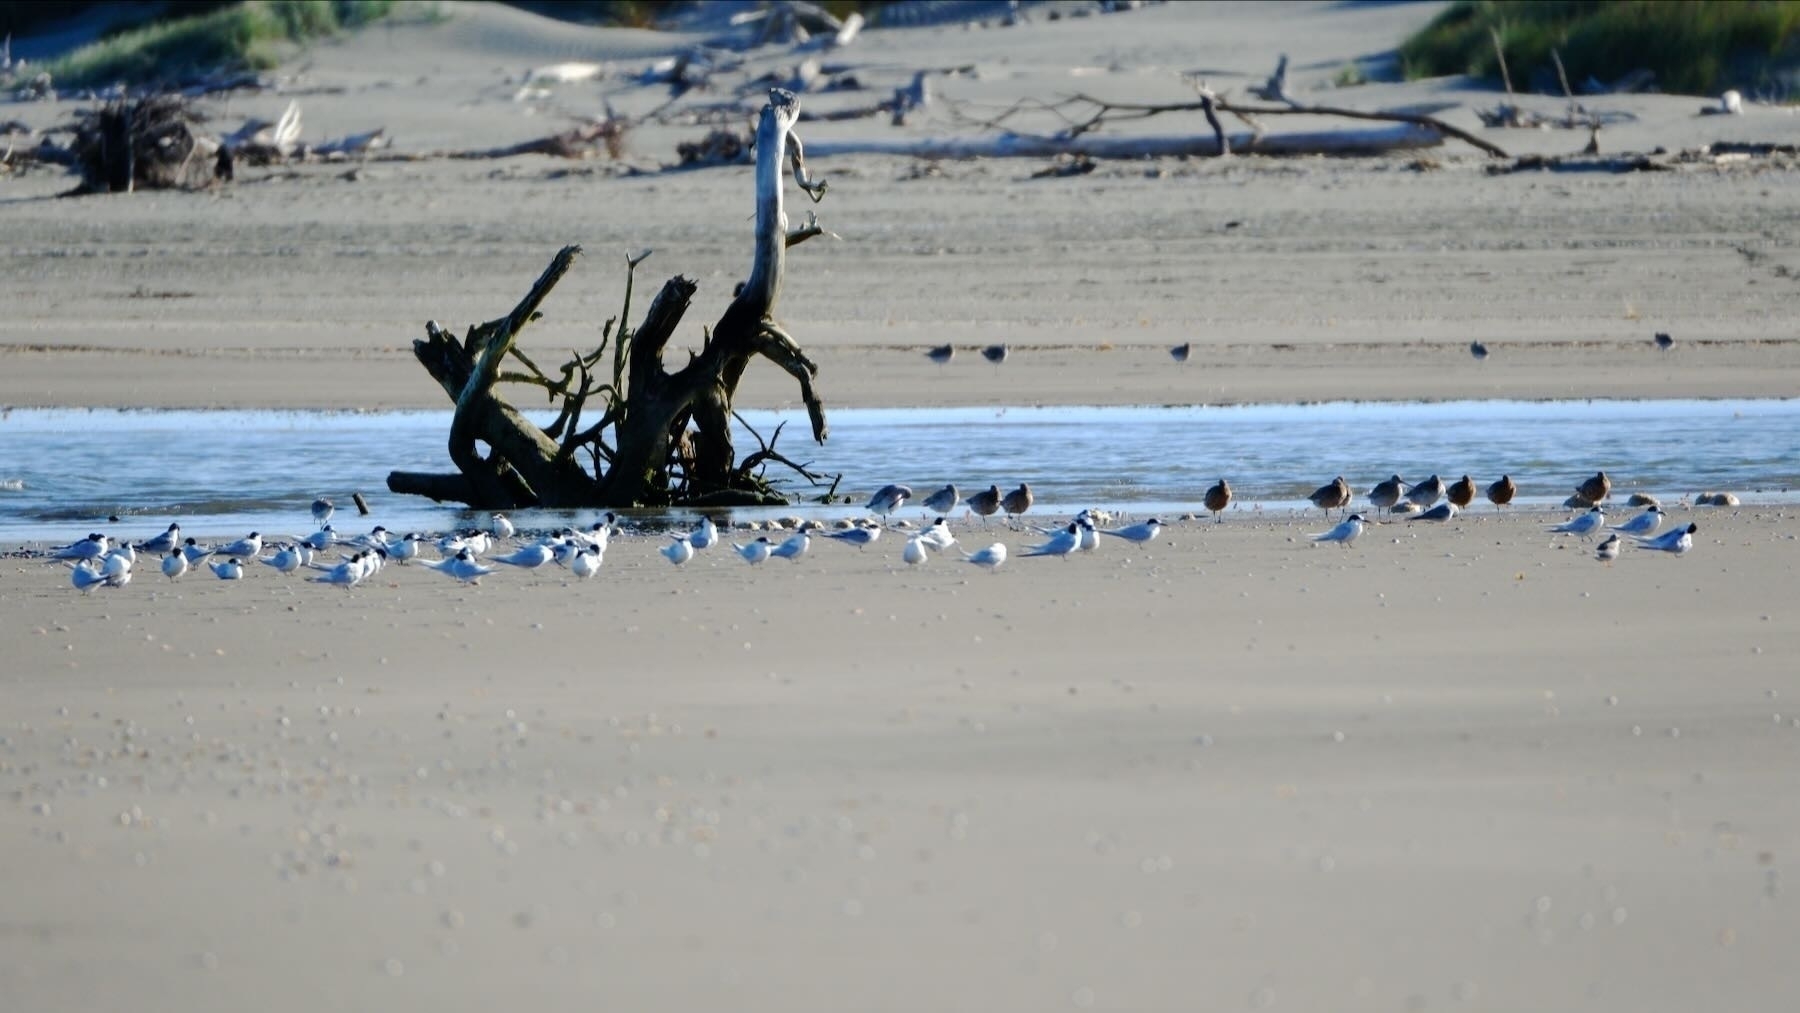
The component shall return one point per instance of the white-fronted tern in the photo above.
(174, 565)
(1608, 550)
(1583, 525)
(1060, 544)
(861, 537)
(794, 547)
(1643, 524)
(528, 557)
(914, 553)
(1676, 540)
(1346, 532)
(990, 557)
(754, 552)
(84, 577)
(231, 569)
(587, 562)
(243, 548)
(679, 550)
(705, 536)
(1140, 533)
(285, 560)
(162, 544)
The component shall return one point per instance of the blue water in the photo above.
(64, 472)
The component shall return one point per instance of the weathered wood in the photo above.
(1405, 137)
(648, 407)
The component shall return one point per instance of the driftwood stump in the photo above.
(641, 449)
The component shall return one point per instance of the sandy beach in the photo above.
(1462, 766)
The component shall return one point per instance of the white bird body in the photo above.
(990, 557)
(92, 547)
(755, 552)
(1346, 532)
(115, 568)
(705, 536)
(587, 562)
(322, 539)
(679, 550)
(1060, 544)
(528, 557)
(285, 560)
(346, 574)
(1583, 525)
(84, 577)
(174, 565)
(243, 548)
(194, 552)
(861, 537)
(1608, 550)
(1438, 514)
(794, 547)
(503, 528)
(1675, 540)
(164, 543)
(914, 553)
(322, 509)
(1643, 524)
(405, 550)
(1139, 533)
(465, 568)
(937, 537)
(231, 569)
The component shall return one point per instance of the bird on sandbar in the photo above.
(1608, 550)
(1502, 491)
(1663, 341)
(943, 501)
(1018, 501)
(888, 499)
(985, 504)
(1332, 495)
(1645, 523)
(1677, 541)
(1426, 492)
(1346, 532)
(1181, 352)
(1461, 492)
(995, 354)
(1478, 350)
(1596, 489)
(1643, 499)
(1386, 494)
(1583, 525)
(941, 354)
(1440, 513)
(1217, 499)
(990, 557)
(322, 509)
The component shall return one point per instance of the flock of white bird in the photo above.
(466, 556)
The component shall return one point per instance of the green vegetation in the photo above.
(1693, 47)
(242, 36)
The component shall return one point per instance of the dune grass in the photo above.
(1692, 46)
(244, 36)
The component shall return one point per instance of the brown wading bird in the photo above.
(1018, 501)
(1595, 489)
(1217, 499)
(1461, 492)
(1427, 492)
(1386, 494)
(1332, 495)
(1502, 491)
(986, 504)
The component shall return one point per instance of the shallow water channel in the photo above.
(64, 472)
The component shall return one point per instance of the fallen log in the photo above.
(1404, 137)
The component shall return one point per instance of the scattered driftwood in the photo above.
(1085, 115)
(155, 143)
(585, 140)
(795, 22)
(718, 147)
(661, 437)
